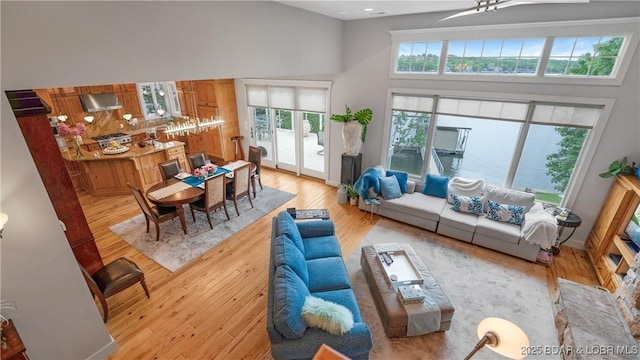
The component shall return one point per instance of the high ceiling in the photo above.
(364, 9)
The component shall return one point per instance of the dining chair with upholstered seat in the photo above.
(255, 157)
(214, 198)
(196, 160)
(112, 278)
(241, 185)
(156, 214)
(169, 168)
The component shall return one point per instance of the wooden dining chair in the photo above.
(241, 185)
(214, 198)
(255, 157)
(196, 160)
(156, 214)
(112, 278)
(169, 168)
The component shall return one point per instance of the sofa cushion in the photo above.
(508, 197)
(320, 247)
(344, 297)
(289, 294)
(389, 187)
(464, 187)
(327, 315)
(287, 253)
(498, 230)
(417, 204)
(402, 177)
(459, 220)
(286, 225)
(436, 185)
(327, 274)
(506, 213)
(472, 205)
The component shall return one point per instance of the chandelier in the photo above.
(192, 126)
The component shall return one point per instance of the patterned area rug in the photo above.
(479, 282)
(175, 249)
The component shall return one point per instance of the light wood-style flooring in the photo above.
(215, 306)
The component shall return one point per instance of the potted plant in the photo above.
(354, 128)
(620, 167)
(352, 193)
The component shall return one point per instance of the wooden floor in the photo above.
(215, 306)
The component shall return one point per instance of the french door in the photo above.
(290, 140)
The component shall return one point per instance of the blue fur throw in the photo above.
(369, 178)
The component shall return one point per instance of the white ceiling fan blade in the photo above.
(483, 8)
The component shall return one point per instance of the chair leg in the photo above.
(253, 186)
(260, 182)
(235, 203)
(157, 231)
(193, 215)
(225, 209)
(249, 197)
(146, 218)
(105, 308)
(209, 219)
(144, 286)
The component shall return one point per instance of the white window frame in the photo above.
(169, 88)
(588, 149)
(627, 27)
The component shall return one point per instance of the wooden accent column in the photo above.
(31, 114)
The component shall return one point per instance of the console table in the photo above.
(590, 325)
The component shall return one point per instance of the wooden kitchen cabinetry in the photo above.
(228, 110)
(96, 89)
(206, 92)
(178, 153)
(607, 248)
(186, 97)
(127, 94)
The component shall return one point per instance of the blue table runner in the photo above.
(196, 181)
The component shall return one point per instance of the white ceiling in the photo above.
(355, 9)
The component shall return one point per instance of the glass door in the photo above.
(286, 144)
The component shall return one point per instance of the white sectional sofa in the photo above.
(436, 213)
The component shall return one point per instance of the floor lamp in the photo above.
(501, 336)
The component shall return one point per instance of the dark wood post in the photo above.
(31, 113)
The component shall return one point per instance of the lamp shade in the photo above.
(511, 339)
(3, 220)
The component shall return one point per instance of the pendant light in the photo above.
(62, 117)
(89, 118)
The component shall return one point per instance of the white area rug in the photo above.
(479, 282)
(175, 249)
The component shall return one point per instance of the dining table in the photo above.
(176, 192)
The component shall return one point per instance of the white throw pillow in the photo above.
(326, 315)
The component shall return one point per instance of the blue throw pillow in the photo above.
(402, 177)
(289, 296)
(436, 185)
(390, 187)
(513, 214)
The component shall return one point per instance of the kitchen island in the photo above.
(102, 174)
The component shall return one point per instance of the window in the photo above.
(594, 52)
(512, 57)
(587, 56)
(419, 57)
(158, 99)
(529, 146)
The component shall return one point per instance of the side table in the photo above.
(370, 204)
(572, 221)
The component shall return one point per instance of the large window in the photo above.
(158, 100)
(528, 146)
(594, 52)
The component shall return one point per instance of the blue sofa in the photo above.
(306, 260)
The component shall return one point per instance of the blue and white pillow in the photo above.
(472, 205)
(513, 214)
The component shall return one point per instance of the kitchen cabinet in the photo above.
(213, 143)
(228, 110)
(127, 94)
(96, 89)
(185, 97)
(73, 109)
(195, 143)
(607, 248)
(205, 93)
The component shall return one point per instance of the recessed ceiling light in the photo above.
(342, 12)
(368, 9)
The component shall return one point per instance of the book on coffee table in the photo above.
(410, 294)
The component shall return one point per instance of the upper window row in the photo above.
(568, 56)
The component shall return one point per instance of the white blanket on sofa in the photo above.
(540, 227)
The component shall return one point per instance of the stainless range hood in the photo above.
(99, 102)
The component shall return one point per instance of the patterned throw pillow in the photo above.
(506, 213)
(472, 205)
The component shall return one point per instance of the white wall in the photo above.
(365, 81)
(49, 44)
